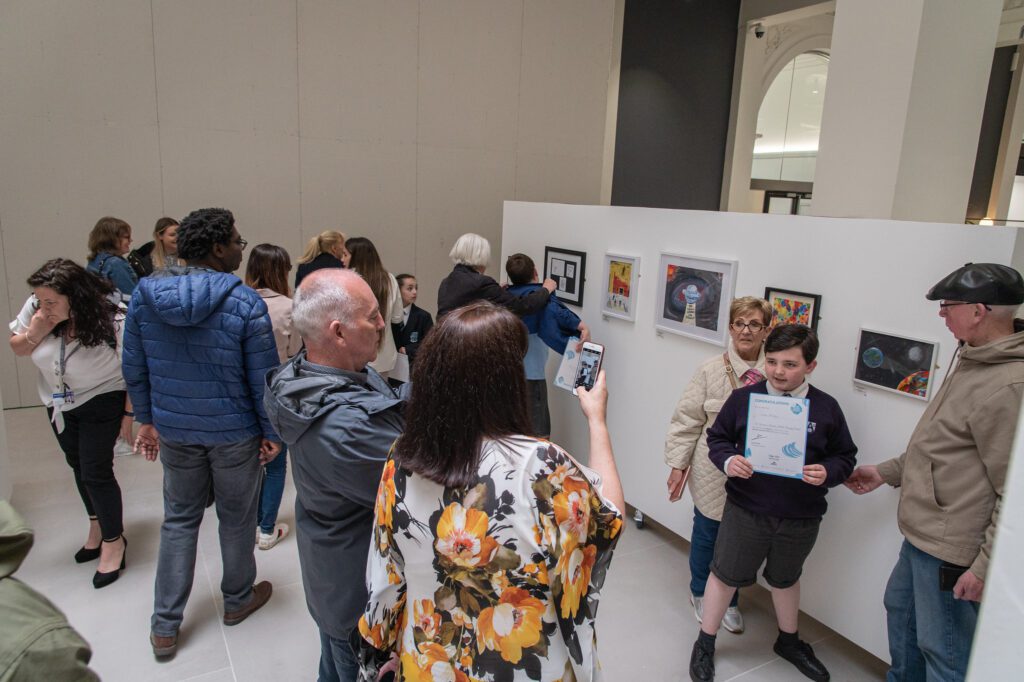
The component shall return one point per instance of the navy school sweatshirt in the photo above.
(828, 443)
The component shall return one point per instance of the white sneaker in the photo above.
(698, 607)
(268, 540)
(733, 620)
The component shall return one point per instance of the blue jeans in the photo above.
(234, 469)
(930, 632)
(337, 660)
(271, 490)
(702, 551)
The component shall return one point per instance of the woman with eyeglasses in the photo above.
(686, 447)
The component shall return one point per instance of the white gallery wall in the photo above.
(405, 121)
(870, 273)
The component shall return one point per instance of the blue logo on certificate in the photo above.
(791, 450)
(797, 408)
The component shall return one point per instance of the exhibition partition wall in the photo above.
(871, 275)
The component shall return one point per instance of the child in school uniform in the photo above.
(773, 517)
(416, 321)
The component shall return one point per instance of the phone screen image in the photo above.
(590, 363)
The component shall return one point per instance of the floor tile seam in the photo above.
(208, 672)
(773, 659)
(220, 619)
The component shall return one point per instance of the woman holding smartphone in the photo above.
(72, 326)
(686, 447)
(489, 546)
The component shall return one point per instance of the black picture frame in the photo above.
(569, 270)
(777, 297)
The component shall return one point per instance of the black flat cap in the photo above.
(988, 283)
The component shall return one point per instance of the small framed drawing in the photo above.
(568, 269)
(895, 363)
(793, 307)
(694, 295)
(620, 292)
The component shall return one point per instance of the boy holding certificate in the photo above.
(773, 506)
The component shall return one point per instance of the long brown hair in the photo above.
(468, 384)
(268, 268)
(366, 261)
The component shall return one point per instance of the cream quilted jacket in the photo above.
(687, 444)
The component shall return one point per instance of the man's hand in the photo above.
(550, 284)
(147, 442)
(969, 587)
(676, 483)
(268, 451)
(739, 467)
(402, 350)
(864, 479)
(815, 474)
(584, 336)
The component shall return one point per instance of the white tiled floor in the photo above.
(645, 624)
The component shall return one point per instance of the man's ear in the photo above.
(219, 250)
(337, 329)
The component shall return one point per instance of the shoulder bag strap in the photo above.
(729, 371)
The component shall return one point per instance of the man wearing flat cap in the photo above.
(951, 477)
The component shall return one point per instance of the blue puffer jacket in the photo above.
(197, 347)
(555, 324)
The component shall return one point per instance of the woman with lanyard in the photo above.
(72, 326)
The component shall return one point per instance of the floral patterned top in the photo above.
(497, 581)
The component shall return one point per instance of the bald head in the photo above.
(324, 296)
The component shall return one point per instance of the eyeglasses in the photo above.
(242, 243)
(949, 304)
(754, 327)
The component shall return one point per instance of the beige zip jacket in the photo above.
(687, 442)
(952, 474)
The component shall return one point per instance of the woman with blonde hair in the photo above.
(686, 446)
(326, 250)
(365, 260)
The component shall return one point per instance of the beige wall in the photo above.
(407, 122)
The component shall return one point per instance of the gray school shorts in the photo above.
(746, 539)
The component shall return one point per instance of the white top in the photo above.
(392, 314)
(88, 372)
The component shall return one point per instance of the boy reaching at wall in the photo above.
(773, 517)
(553, 326)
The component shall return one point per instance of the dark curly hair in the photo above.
(200, 230)
(92, 309)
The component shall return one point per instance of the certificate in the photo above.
(777, 434)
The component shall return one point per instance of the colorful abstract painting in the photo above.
(793, 307)
(694, 295)
(895, 363)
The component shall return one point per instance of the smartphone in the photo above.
(590, 365)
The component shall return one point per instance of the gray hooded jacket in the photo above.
(339, 427)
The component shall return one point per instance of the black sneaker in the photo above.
(702, 664)
(802, 656)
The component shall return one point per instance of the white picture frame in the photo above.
(619, 293)
(694, 294)
(896, 363)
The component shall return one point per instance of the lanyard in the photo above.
(63, 363)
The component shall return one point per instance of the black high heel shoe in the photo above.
(100, 579)
(85, 555)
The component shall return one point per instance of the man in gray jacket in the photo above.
(340, 418)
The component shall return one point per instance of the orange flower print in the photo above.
(393, 577)
(511, 626)
(430, 664)
(462, 537)
(386, 495)
(574, 568)
(425, 618)
(562, 477)
(572, 512)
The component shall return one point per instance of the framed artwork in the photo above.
(568, 269)
(694, 295)
(793, 307)
(620, 286)
(895, 363)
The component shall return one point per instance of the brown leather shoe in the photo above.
(260, 596)
(163, 646)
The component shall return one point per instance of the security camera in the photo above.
(758, 31)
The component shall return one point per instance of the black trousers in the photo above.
(88, 438)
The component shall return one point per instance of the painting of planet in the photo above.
(896, 363)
